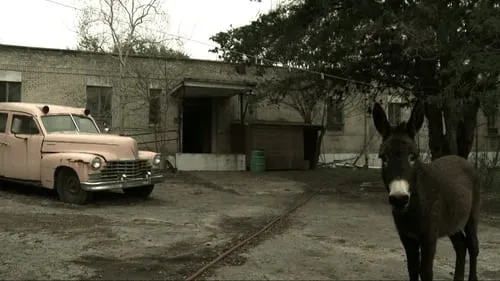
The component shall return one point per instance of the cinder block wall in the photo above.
(61, 77)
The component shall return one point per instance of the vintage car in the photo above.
(62, 148)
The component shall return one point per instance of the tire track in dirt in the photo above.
(182, 259)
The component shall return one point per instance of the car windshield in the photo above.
(64, 123)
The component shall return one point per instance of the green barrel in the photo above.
(258, 161)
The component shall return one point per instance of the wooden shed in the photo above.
(286, 145)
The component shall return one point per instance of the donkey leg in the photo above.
(412, 250)
(472, 243)
(460, 246)
(428, 249)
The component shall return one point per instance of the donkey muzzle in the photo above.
(399, 201)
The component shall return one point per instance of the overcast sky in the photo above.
(40, 23)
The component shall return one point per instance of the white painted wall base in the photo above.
(237, 162)
(210, 162)
(485, 158)
(341, 159)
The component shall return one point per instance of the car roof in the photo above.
(36, 108)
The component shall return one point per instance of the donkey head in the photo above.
(399, 154)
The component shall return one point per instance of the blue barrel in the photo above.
(258, 161)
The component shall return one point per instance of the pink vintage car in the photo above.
(61, 147)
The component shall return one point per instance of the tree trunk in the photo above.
(437, 142)
(460, 127)
(317, 149)
(450, 113)
(466, 129)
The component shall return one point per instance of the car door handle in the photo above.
(4, 143)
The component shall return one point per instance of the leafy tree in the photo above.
(156, 49)
(446, 53)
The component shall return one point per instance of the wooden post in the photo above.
(365, 139)
(180, 116)
(242, 114)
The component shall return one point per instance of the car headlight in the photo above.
(157, 160)
(96, 163)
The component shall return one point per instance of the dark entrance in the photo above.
(197, 125)
(310, 141)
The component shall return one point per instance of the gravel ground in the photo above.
(186, 222)
(344, 232)
(332, 239)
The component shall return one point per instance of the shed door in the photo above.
(283, 146)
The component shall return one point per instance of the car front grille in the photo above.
(131, 168)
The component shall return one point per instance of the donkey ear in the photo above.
(380, 120)
(416, 119)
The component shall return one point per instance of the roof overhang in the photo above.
(190, 88)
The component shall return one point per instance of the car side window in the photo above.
(3, 122)
(23, 124)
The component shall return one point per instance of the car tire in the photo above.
(139, 191)
(69, 189)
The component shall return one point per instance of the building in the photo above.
(196, 111)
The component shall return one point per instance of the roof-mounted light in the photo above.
(45, 109)
(86, 111)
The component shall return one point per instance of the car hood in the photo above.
(110, 147)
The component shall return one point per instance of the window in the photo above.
(99, 104)
(3, 122)
(491, 124)
(335, 116)
(491, 120)
(25, 125)
(10, 91)
(64, 123)
(58, 123)
(154, 106)
(394, 113)
(85, 124)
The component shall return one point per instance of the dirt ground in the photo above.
(344, 232)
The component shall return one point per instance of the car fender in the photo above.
(148, 155)
(77, 161)
(145, 154)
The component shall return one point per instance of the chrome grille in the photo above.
(132, 168)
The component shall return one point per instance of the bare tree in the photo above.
(311, 96)
(152, 89)
(119, 26)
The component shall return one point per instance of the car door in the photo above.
(3, 145)
(23, 152)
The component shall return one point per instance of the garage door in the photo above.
(283, 145)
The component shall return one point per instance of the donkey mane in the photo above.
(401, 128)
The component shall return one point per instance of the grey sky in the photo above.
(40, 23)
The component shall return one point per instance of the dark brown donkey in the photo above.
(429, 201)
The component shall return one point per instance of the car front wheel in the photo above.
(69, 189)
(139, 191)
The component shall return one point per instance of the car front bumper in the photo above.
(123, 182)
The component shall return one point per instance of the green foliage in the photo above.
(417, 45)
(154, 49)
(445, 52)
(90, 42)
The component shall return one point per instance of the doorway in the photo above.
(197, 125)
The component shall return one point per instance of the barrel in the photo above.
(258, 161)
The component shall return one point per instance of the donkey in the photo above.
(429, 201)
